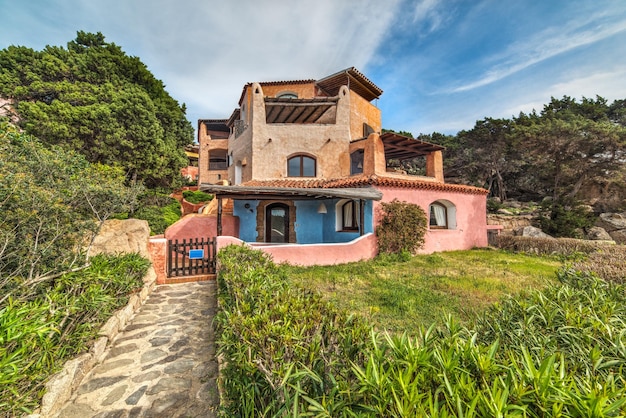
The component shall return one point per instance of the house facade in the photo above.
(305, 163)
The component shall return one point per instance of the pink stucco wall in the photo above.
(362, 248)
(471, 217)
(157, 247)
(199, 225)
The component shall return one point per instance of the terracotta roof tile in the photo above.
(362, 181)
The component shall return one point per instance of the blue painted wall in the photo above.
(247, 219)
(311, 227)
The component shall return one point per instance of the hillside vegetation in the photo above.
(569, 151)
(559, 351)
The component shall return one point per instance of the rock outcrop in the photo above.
(121, 237)
(614, 224)
(597, 233)
(531, 231)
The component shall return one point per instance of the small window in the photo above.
(218, 160)
(349, 216)
(287, 95)
(438, 216)
(301, 166)
(356, 162)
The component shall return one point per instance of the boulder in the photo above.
(619, 236)
(121, 237)
(611, 221)
(531, 231)
(597, 233)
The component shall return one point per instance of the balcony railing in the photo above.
(218, 165)
(240, 127)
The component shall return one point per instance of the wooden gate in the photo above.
(192, 257)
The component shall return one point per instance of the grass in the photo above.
(402, 296)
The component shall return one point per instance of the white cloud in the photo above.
(545, 45)
(429, 14)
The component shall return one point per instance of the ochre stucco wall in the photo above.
(207, 144)
(363, 111)
(264, 148)
(304, 91)
(471, 217)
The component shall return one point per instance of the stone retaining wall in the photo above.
(62, 385)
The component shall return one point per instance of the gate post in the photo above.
(157, 247)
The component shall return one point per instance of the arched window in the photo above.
(347, 215)
(442, 215)
(287, 95)
(356, 162)
(301, 166)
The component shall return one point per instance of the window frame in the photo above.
(431, 218)
(357, 156)
(301, 158)
(216, 163)
(355, 216)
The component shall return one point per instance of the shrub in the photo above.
(43, 326)
(284, 348)
(557, 352)
(549, 246)
(493, 204)
(608, 263)
(402, 227)
(565, 218)
(196, 196)
(159, 210)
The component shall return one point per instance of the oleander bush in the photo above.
(43, 325)
(556, 352)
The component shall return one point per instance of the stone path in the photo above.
(162, 365)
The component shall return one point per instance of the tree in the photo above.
(94, 99)
(51, 200)
(491, 155)
(571, 144)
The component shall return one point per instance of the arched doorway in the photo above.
(277, 223)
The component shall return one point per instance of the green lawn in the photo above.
(400, 296)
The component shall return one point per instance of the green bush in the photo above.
(493, 204)
(565, 218)
(160, 211)
(557, 352)
(44, 325)
(283, 347)
(402, 227)
(196, 196)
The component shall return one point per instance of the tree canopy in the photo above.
(94, 99)
(568, 147)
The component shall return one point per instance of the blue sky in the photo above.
(442, 65)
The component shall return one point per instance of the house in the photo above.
(191, 171)
(304, 165)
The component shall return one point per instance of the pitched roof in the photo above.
(354, 79)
